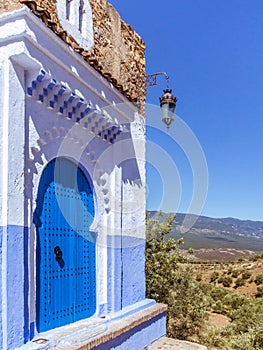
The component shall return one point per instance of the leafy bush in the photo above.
(186, 307)
(217, 293)
(218, 307)
(214, 276)
(170, 282)
(212, 338)
(235, 273)
(190, 251)
(232, 301)
(246, 275)
(229, 271)
(220, 279)
(259, 292)
(247, 319)
(240, 282)
(227, 281)
(256, 257)
(258, 342)
(242, 341)
(259, 279)
(199, 277)
(248, 315)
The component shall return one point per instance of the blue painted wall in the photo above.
(126, 276)
(126, 280)
(16, 327)
(133, 270)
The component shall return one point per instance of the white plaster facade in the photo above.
(52, 104)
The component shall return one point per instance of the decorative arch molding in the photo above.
(49, 147)
(75, 17)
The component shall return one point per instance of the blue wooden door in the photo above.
(66, 266)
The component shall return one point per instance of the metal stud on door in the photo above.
(66, 266)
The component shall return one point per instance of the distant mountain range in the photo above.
(224, 226)
(218, 233)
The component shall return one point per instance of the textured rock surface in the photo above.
(118, 52)
(172, 344)
(9, 5)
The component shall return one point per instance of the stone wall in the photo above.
(118, 52)
(9, 5)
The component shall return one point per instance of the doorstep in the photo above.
(122, 330)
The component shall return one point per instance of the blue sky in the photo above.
(213, 53)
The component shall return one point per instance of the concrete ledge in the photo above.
(134, 331)
(120, 332)
(170, 344)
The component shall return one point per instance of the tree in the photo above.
(169, 280)
(158, 226)
(162, 257)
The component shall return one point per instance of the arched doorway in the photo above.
(66, 250)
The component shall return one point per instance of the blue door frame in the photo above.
(66, 250)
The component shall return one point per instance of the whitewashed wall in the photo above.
(32, 134)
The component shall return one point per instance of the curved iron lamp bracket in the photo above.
(151, 80)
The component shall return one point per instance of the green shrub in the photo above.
(170, 282)
(190, 251)
(214, 276)
(235, 273)
(217, 293)
(227, 281)
(199, 277)
(259, 279)
(229, 271)
(212, 338)
(259, 293)
(242, 341)
(220, 279)
(218, 307)
(255, 257)
(258, 342)
(240, 282)
(246, 275)
(233, 301)
(248, 316)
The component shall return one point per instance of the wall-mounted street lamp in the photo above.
(167, 101)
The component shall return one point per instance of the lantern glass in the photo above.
(168, 104)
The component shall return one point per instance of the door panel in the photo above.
(66, 264)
